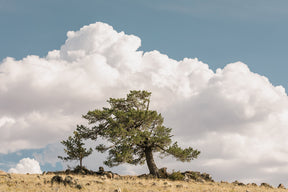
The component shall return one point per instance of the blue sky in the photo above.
(216, 32)
(243, 104)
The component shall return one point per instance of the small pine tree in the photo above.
(75, 149)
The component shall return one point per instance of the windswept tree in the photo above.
(75, 149)
(134, 132)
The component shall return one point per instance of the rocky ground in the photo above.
(70, 181)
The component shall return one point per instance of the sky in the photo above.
(216, 70)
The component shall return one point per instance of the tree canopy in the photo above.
(134, 132)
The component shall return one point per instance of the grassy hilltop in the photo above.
(95, 183)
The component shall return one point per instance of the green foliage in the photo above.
(132, 130)
(183, 155)
(176, 176)
(75, 149)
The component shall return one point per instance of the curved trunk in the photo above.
(150, 162)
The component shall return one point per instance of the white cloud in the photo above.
(27, 165)
(234, 116)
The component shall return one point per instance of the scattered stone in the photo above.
(179, 186)
(197, 176)
(117, 190)
(186, 178)
(154, 184)
(81, 170)
(78, 186)
(99, 182)
(252, 184)
(163, 173)
(238, 183)
(103, 177)
(281, 186)
(166, 184)
(147, 176)
(116, 176)
(101, 170)
(266, 185)
(109, 175)
(76, 181)
(68, 180)
(56, 179)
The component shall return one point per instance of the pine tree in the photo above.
(134, 131)
(75, 149)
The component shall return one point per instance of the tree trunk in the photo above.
(150, 162)
(80, 162)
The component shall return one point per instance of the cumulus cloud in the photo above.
(236, 117)
(26, 165)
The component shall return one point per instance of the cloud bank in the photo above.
(237, 118)
(27, 165)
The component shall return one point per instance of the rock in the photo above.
(238, 183)
(145, 176)
(200, 180)
(100, 171)
(109, 175)
(186, 177)
(266, 185)
(68, 171)
(99, 182)
(206, 176)
(56, 179)
(116, 176)
(252, 184)
(117, 190)
(281, 186)
(68, 180)
(103, 177)
(81, 170)
(179, 186)
(163, 173)
(78, 186)
(197, 176)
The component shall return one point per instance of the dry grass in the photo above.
(41, 183)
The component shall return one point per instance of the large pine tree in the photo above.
(134, 132)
